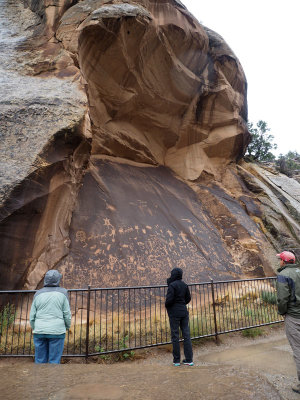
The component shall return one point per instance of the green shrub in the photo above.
(268, 297)
(100, 349)
(7, 317)
(129, 355)
(249, 313)
(252, 332)
(199, 326)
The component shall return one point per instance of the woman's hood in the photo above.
(52, 278)
(176, 274)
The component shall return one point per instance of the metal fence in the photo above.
(123, 319)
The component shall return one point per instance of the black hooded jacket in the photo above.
(178, 295)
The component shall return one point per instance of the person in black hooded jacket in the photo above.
(178, 295)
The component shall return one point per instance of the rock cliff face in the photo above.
(123, 124)
(162, 89)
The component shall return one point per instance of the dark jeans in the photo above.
(183, 324)
(48, 350)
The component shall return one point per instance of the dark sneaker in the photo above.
(176, 364)
(189, 363)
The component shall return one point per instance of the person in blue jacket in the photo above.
(50, 317)
(178, 295)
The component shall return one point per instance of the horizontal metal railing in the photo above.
(107, 320)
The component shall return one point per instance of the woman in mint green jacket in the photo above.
(50, 316)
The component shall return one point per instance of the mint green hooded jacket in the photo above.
(50, 311)
(288, 290)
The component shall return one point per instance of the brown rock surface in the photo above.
(43, 150)
(133, 230)
(122, 124)
(162, 88)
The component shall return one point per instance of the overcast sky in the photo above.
(265, 36)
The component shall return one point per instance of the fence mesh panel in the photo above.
(118, 319)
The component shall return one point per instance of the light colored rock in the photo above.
(43, 130)
(162, 88)
(32, 110)
(278, 198)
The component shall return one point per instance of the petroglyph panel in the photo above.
(132, 225)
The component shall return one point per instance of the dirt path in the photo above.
(241, 369)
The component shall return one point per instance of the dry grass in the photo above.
(120, 332)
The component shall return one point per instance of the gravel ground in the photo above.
(237, 368)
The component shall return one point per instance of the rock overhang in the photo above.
(158, 81)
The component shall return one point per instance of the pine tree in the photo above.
(260, 146)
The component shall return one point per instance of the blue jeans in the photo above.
(48, 350)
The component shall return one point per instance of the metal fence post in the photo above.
(87, 336)
(214, 310)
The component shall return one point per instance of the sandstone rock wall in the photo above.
(122, 126)
(44, 147)
(278, 197)
(162, 88)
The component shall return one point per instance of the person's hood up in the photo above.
(176, 274)
(52, 278)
